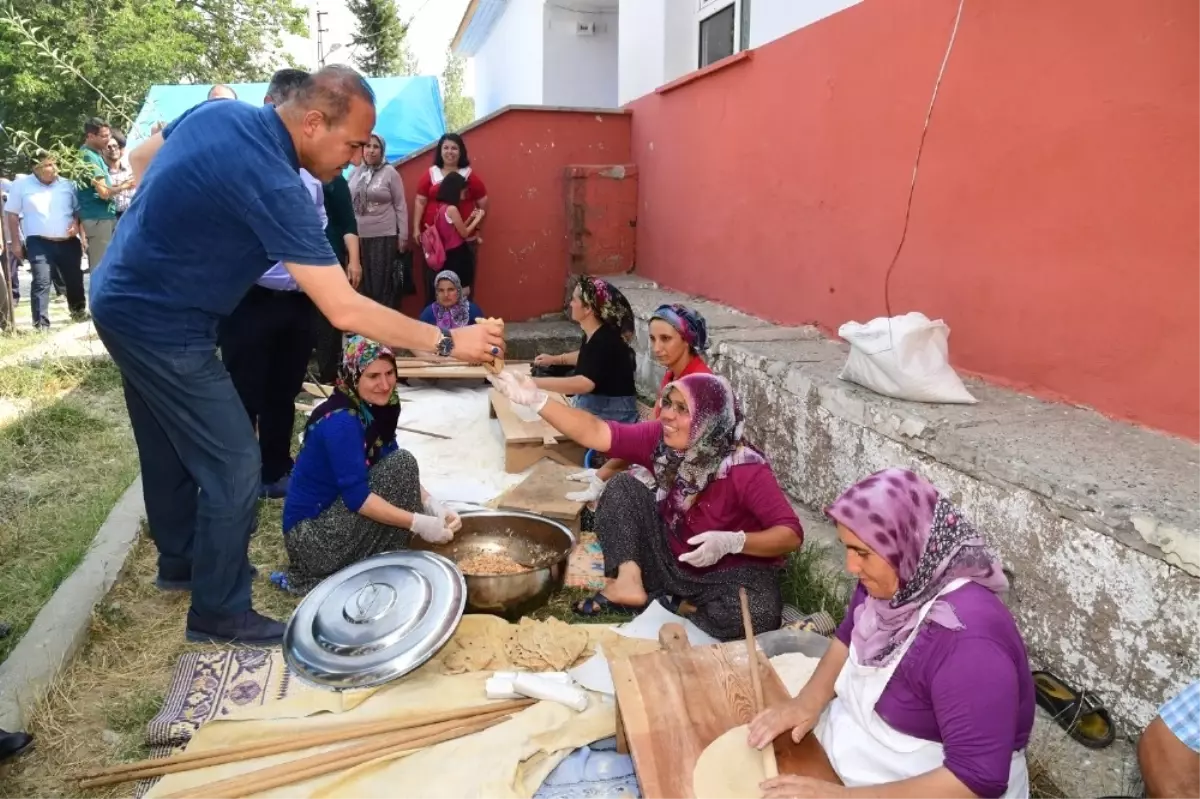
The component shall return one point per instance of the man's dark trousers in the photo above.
(200, 467)
(48, 257)
(266, 344)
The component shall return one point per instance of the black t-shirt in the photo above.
(607, 361)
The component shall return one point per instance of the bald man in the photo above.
(222, 92)
(220, 200)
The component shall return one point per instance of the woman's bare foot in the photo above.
(626, 591)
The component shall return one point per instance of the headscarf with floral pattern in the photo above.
(379, 421)
(609, 305)
(716, 443)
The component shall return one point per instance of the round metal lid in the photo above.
(376, 620)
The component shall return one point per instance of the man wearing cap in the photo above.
(220, 200)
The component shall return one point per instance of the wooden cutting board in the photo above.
(544, 492)
(675, 702)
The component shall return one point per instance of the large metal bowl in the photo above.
(524, 537)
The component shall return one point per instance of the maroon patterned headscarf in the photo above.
(716, 443)
(905, 520)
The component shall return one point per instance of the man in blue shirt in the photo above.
(220, 200)
(44, 207)
(267, 340)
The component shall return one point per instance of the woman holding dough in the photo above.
(604, 364)
(354, 493)
(718, 519)
(926, 690)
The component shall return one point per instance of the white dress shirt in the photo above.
(45, 210)
(277, 277)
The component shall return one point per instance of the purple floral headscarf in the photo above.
(458, 314)
(905, 520)
(716, 443)
(688, 322)
(379, 421)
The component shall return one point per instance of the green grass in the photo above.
(813, 581)
(63, 465)
(19, 340)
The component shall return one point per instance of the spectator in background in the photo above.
(8, 262)
(222, 92)
(382, 212)
(266, 341)
(342, 232)
(97, 207)
(119, 171)
(449, 157)
(455, 230)
(45, 207)
(451, 309)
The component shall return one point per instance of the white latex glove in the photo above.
(582, 477)
(592, 493)
(712, 546)
(520, 389)
(431, 529)
(447, 517)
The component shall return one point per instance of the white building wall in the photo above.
(580, 70)
(771, 19)
(660, 38)
(508, 66)
(642, 36)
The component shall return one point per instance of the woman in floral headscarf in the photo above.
(354, 493)
(678, 339)
(926, 690)
(716, 521)
(602, 382)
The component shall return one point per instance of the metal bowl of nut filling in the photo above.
(512, 561)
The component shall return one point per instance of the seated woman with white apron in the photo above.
(926, 690)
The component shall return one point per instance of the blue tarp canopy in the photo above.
(409, 110)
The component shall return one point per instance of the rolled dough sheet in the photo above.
(728, 768)
(794, 669)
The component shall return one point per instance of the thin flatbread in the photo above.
(728, 768)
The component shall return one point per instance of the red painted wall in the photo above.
(602, 219)
(1055, 220)
(522, 156)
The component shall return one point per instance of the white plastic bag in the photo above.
(906, 357)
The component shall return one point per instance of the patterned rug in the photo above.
(209, 685)
(585, 569)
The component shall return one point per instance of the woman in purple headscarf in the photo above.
(716, 521)
(926, 690)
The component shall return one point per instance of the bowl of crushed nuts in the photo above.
(512, 561)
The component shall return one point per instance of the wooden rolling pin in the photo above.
(770, 767)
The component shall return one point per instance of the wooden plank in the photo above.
(452, 371)
(544, 491)
(518, 431)
(675, 703)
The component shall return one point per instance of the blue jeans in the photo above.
(611, 409)
(48, 258)
(200, 467)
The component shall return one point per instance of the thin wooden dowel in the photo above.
(186, 761)
(770, 767)
(423, 432)
(307, 768)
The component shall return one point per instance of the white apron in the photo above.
(864, 750)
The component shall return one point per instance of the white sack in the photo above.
(906, 357)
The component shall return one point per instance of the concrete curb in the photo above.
(61, 627)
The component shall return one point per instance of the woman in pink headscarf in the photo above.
(716, 521)
(926, 690)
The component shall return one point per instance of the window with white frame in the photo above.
(724, 29)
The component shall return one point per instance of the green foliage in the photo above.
(66, 60)
(380, 50)
(460, 110)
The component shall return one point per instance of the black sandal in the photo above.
(1080, 713)
(599, 604)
